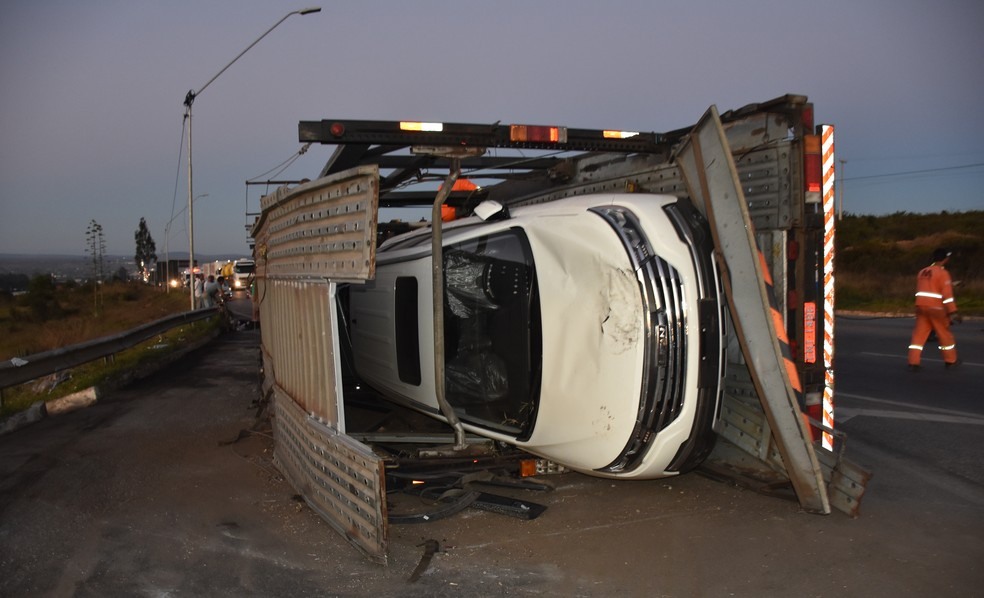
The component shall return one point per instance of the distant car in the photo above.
(585, 330)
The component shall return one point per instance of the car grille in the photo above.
(664, 371)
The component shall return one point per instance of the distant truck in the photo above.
(172, 273)
(242, 273)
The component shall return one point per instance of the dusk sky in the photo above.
(92, 91)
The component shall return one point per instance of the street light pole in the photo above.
(167, 261)
(167, 256)
(191, 215)
(188, 101)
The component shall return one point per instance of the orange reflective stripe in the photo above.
(780, 326)
(765, 270)
(934, 289)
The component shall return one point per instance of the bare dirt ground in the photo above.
(155, 491)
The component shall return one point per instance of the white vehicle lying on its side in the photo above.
(585, 330)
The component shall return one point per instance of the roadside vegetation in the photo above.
(49, 317)
(878, 258)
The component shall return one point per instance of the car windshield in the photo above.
(244, 268)
(492, 332)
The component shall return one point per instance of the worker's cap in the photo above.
(941, 254)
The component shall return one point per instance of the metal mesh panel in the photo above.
(297, 338)
(322, 229)
(307, 238)
(339, 477)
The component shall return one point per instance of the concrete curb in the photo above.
(35, 413)
(76, 400)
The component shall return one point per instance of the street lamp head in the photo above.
(188, 101)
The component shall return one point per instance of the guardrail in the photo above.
(24, 369)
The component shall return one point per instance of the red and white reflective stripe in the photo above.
(829, 213)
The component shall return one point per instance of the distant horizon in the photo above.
(183, 254)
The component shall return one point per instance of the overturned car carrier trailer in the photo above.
(760, 177)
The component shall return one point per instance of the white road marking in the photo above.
(901, 358)
(844, 414)
(919, 412)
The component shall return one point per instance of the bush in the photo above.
(42, 298)
(878, 258)
(23, 334)
(125, 366)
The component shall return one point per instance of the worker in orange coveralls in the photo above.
(935, 308)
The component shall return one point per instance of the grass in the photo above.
(895, 294)
(123, 368)
(72, 317)
(123, 306)
(878, 257)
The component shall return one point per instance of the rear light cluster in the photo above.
(534, 134)
(535, 467)
(540, 134)
(812, 168)
(618, 134)
(421, 126)
(425, 136)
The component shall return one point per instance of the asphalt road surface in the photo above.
(157, 491)
(240, 307)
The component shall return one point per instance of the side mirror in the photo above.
(491, 210)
